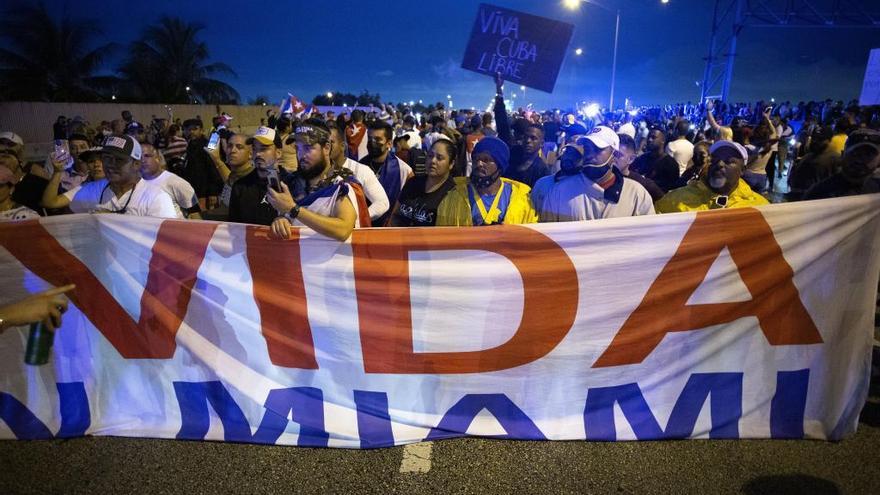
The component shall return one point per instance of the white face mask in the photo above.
(600, 165)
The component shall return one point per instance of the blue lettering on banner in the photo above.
(789, 403)
(75, 415)
(725, 390)
(459, 417)
(305, 403)
(374, 422)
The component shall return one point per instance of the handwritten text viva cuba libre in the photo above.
(381, 272)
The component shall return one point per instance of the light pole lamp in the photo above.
(573, 5)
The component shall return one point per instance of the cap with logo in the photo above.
(311, 133)
(604, 137)
(122, 147)
(265, 135)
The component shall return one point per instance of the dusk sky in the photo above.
(409, 50)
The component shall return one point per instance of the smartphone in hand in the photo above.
(213, 141)
(272, 176)
(62, 153)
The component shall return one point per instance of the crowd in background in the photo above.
(393, 167)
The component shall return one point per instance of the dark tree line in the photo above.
(44, 58)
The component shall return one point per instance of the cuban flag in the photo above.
(291, 105)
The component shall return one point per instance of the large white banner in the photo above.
(750, 323)
(871, 84)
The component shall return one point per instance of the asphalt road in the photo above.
(124, 465)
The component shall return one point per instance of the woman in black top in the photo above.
(420, 197)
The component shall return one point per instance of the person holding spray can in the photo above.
(43, 311)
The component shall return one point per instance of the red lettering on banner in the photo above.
(280, 294)
(177, 254)
(381, 268)
(775, 299)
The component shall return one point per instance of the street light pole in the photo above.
(614, 62)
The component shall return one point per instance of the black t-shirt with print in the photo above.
(418, 208)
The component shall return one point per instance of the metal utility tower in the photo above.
(731, 16)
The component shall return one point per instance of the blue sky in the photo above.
(410, 50)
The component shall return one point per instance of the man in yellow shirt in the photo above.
(722, 187)
(487, 198)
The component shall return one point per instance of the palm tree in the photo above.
(169, 64)
(44, 59)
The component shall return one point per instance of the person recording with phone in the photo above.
(122, 191)
(319, 196)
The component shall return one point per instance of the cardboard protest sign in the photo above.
(525, 48)
(871, 86)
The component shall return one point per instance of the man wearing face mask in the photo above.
(860, 162)
(588, 186)
(487, 198)
(722, 187)
(391, 171)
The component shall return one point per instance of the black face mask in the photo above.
(484, 182)
(374, 150)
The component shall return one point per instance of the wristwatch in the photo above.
(293, 213)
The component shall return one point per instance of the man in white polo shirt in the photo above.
(122, 191)
(588, 186)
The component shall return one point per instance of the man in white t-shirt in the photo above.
(153, 171)
(123, 190)
(588, 186)
(681, 149)
(373, 190)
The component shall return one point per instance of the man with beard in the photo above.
(588, 186)
(860, 161)
(722, 187)
(318, 196)
(655, 164)
(248, 200)
(391, 171)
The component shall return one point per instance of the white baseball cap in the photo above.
(265, 135)
(604, 137)
(744, 154)
(13, 137)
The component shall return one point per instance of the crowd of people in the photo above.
(392, 167)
